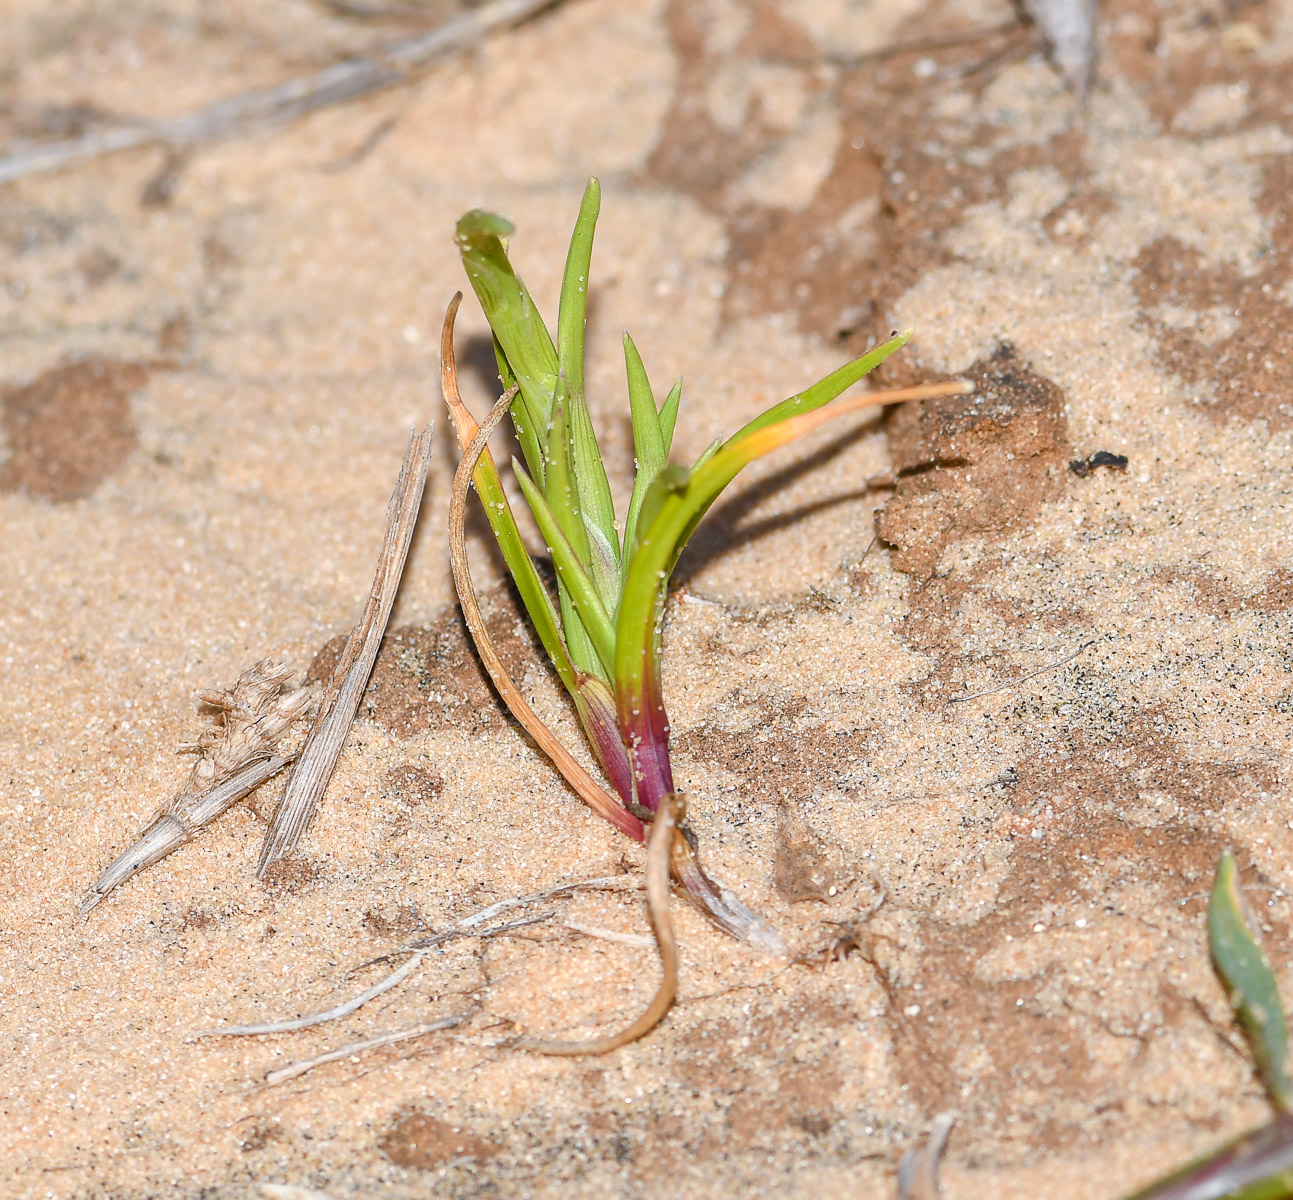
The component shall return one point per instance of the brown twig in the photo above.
(267, 107)
(318, 757)
(664, 831)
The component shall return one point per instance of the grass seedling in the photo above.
(1258, 1165)
(603, 630)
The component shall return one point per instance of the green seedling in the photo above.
(1259, 1164)
(602, 631)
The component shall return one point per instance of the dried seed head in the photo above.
(236, 753)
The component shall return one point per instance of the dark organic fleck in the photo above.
(1082, 467)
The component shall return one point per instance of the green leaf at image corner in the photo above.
(1250, 983)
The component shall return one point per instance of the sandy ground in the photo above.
(1033, 704)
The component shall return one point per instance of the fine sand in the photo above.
(918, 654)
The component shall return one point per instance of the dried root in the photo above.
(665, 829)
(235, 756)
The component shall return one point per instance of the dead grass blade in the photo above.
(467, 927)
(664, 830)
(169, 831)
(343, 81)
(395, 978)
(318, 757)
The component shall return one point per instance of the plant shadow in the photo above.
(722, 530)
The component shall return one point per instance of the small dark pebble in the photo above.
(1083, 467)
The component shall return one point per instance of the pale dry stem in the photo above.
(467, 927)
(318, 757)
(335, 84)
(301, 1066)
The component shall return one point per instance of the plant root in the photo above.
(665, 829)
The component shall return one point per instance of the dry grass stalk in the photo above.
(235, 757)
(318, 757)
(395, 978)
(300, 1067)
(467, 927)
(239, 115)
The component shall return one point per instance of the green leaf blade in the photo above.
(590, 616)
(595, 503)
(826, 389)
(517, 326)
(648, 441)
(1249, 982)
(572, 310)
(560, 489)
(669, 416)
(534, 596)
(587, 468)
(650, 448)
(677, 508)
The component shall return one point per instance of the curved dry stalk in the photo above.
(665, 829)
(590, 791)
(464, 423)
